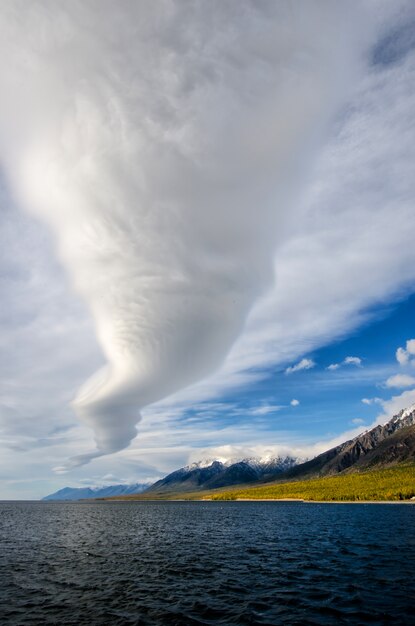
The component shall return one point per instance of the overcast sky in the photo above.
(207, 225)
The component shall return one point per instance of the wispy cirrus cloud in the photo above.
(265, 409)
(304, 364)
(357, 421)
(370, 401)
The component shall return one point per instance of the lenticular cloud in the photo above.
(159, 142)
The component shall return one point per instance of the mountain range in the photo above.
(86, 493)
(384, 445)
(219, 474)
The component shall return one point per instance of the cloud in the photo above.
(349, 360)
(304, 364)
(410, 346)
(161, 164)
(400, 380)
(370, 401)
(352, 360)
(266, 409)
(403, 355)
(358, 420)
(319, 296)
(238, 452)
(294, 402)
(393, 405)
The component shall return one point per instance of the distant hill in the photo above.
(385, 445)
(213, 475)
(83, 493)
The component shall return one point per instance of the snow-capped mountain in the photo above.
(214, 473)
(385, 444)
(406, 416)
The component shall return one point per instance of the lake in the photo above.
(185, 563)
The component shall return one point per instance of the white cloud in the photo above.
(400, 380)
(403, 355)
(395, 404)
(165, 169)
(370, 401)
(319, 295)
(349, 360)
(304, 364)
(358, 420)
(352, 360)
(237, 452)
(264, 409)
(294, 402)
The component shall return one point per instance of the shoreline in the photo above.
(322, 501)
(252, 500)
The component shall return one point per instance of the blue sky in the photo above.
(327, 402)
(180, 238)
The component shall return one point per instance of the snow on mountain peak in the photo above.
(255, 462)
(407, 412)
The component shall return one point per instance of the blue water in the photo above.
(185, 563)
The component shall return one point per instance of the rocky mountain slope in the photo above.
(218, 474)
(398, 448)
(387, 444)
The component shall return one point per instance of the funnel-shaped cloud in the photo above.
(160, 142)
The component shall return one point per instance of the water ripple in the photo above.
(178, 563)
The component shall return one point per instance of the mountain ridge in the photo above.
(87, 493)
(352, 452)
(219, 474)
(384, 445)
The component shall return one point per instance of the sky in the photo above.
(206, 238)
